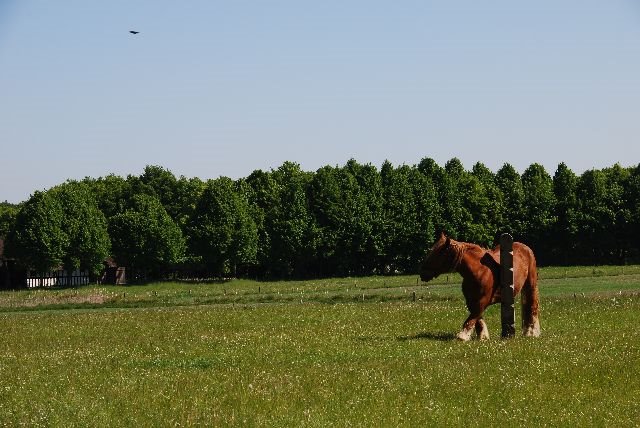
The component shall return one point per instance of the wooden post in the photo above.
(506, 283)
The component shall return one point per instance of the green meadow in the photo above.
(374, 351)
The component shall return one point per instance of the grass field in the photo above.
(340, 352)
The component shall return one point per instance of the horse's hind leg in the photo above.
(530, 321)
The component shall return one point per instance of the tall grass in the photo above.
(385, 361)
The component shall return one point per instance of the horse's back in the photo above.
(524, 264)
(523, 256)
(521, 253)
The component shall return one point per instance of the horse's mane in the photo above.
(458, 249)
(452, 250)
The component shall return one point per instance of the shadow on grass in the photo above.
(426, 335)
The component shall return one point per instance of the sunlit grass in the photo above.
(335, 290)
(307, 361)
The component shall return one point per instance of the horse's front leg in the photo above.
(474, 322)
(476, 305)
(467, 327)
(482, 330)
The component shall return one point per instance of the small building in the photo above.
(112, 273)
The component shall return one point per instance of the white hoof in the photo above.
(532, 330)
(484, 331)
(465, 334)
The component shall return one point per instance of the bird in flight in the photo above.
(134, 32)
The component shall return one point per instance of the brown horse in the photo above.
(480, 270)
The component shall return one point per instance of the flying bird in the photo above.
(134, 32)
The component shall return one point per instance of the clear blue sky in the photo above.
(212, 88)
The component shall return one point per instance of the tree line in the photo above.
(354, 219)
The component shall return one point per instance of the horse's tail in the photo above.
(530, 299)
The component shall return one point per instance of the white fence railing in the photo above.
(57, 279)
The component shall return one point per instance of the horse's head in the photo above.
(436, 259)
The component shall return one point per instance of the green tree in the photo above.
(62, 227)
(173, 194)
(476, 209)
(112, 194)
(369, 217)
(290, 225)
(618, 240)
(400, 219)
(565, 231)
(595, 216)
(465, 205)
(539, 208)
(632, 201)
(222, 234)
(344, 223)
(490, 206)
(438, 177)
(427, 209)
(510, 184)
(262, 195)
(244, 249)
(451, 199)
(8, 213)
(145, 238)
(347, 206)
(85, 227)
(188, 191)
(606, 214)
(325, 205)
(37, 239)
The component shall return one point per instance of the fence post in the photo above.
(507, 310)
